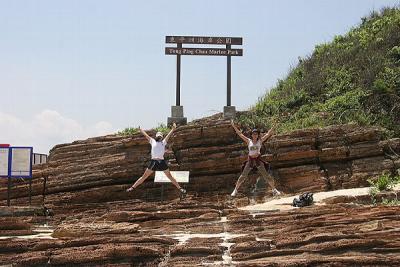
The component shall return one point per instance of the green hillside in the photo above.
(354, 78)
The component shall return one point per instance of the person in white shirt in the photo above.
(254, 159)
(157, 162)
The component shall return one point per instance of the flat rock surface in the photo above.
(285, 202)
(206, 232)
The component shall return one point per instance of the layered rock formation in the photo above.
(94, 222)
(100, 169)
(212, 232)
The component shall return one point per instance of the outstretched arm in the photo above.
(170, 133)
(145, 134)
(238, 132)
(268, 135)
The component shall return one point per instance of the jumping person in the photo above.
(157, 162)
(254, 159)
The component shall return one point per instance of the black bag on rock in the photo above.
(305, 199)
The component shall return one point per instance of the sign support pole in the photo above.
(8, 190)
(30, 191)
(178, 78)
(229, 110)
(228, 82)
(177, 110)
(44, 188)
(162, 193)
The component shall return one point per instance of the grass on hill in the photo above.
(385, 182)
(134, 130)
(354, 78)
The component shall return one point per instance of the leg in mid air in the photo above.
(145, 175)
(242, 178)
(173, 180)
(269, 179)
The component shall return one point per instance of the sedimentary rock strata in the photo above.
(89, 219)
(211, 231)
(100, 169)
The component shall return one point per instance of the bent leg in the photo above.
(268, 178)
(243, 176)
(145, 175)
(169, 175)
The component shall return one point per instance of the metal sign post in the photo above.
(228, 79)
(178, 51)
(178, 78)
(162, 193)
(30, 192)
(8, 190)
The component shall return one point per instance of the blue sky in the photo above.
(74, 69)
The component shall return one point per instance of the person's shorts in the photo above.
(158, 165)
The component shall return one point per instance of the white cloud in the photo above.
(46, 129)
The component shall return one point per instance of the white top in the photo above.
(157, 149)
(254, 148)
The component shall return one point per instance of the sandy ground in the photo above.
(285, 203)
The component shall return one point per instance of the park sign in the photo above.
(180, 177)
(206, 40)
(16, 162)
(4, 161)
(179, 50)
(203, 40)
(203, 51)
(161, 177)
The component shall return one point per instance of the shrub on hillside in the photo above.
(354, 78)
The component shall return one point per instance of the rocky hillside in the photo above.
(354, 78)
(100, 169)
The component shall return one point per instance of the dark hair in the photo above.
(256, 131)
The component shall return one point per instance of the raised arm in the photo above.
(238, 132)
(170, 133)
(268, 135)
(145, 134)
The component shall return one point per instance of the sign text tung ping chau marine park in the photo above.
(179, 50)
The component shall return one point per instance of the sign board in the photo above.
(21, 162)
(180, 177)
(203, 40)
(203, 51)
(206, 41)
(16, 162)
(39, 158)
(4, 162)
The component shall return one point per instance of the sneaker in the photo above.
(275, 192)
(183, 193)
(234, 193)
